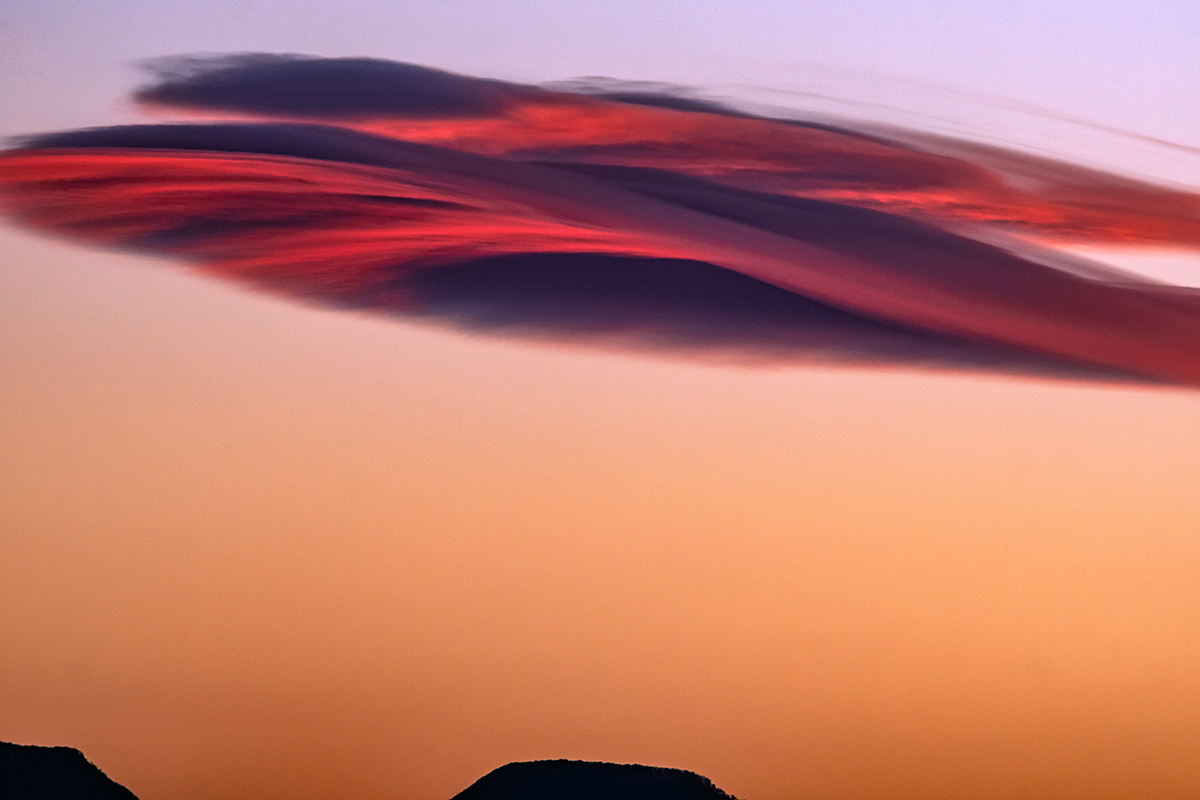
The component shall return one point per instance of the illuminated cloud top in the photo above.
(624, 214)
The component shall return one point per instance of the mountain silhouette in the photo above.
(29, 772)
(590, 780)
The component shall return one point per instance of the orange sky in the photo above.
(258, 550)
(253, 550)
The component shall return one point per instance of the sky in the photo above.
(250, 547)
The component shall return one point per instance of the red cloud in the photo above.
(898, 240)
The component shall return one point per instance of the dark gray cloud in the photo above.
(686, 308)
(317, 142)
(303, 86)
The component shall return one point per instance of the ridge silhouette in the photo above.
(590, 780)
(30, 772)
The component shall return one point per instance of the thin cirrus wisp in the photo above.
(632, 218)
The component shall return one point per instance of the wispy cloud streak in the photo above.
(624, 214)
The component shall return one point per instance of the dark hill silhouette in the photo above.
(590, 780)
(29, 772)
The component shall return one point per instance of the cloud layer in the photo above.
(625, 215)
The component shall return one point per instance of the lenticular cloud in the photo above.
(624, 215)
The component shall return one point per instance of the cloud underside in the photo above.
(623, 216)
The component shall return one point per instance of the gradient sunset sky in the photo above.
(254, 549)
